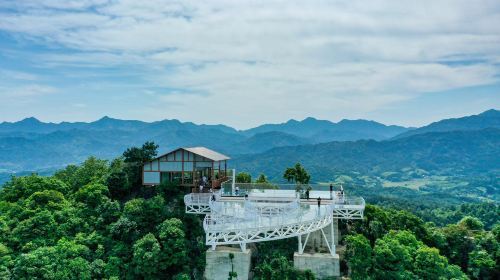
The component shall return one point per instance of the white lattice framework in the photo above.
(199, 203)
(248, 235)
(241, 221)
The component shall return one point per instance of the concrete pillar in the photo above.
(317, 257)
(218, 264)
(323, 265)
(316, 241)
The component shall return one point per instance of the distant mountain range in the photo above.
(33, 145)
(451, 153)
(318, 131)
(487, 119)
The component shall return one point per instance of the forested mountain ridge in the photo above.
(33, 145)
(487, 119)
(325, 131)
(105, 123)
(447, 153)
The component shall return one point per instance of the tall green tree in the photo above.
(22, 187)
(297, 174)
(117, 180)
(92, 170)
(459, 243)
(147, 257)
(429, 264)
(174, 246)
(262, 179)
(66, 260)
(134, 159)
(481, 265)
(146, 213)
(243, 177)
(279, 267)
(359, 256)
(392, 260)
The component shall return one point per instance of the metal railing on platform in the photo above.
(269, 214)
(201, 198)
(240, 189)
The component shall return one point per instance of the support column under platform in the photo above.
(317, 242)
(317, 252)
(218, 263)
(323, 265)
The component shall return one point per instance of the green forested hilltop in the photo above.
(463, 164)
(445, 153)
(90, 222)
(390, 244)
(95, 222)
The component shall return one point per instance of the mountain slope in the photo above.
(33, 125)
(59, 148)
(487, 119)
(454, 153)
(261, 142)
(323, 131)
(34, 145)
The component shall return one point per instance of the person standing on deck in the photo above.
(319, 204)
(307, 194)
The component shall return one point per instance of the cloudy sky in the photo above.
(244, 63)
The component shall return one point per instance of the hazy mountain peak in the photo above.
(290, 121)
(30, 120)
(310, 119)
(107, 119)
(108, 137)
(486, 119)
(324, 130)
(490, 112)
(350, 122)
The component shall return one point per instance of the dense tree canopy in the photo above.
(390, 244)
(72, 226)
(93, 221)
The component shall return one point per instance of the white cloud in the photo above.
(17, 75)
(26, 91)
(302, 58)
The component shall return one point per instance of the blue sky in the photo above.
(244, 63)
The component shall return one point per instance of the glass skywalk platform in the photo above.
(262, 214)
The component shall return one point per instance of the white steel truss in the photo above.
(199, 203)
(197, 209)
(241, 221)
(248, 235)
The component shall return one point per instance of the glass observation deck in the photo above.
(243, 213)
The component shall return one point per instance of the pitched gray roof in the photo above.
(205, 152)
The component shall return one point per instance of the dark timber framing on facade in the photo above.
(187, 167)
